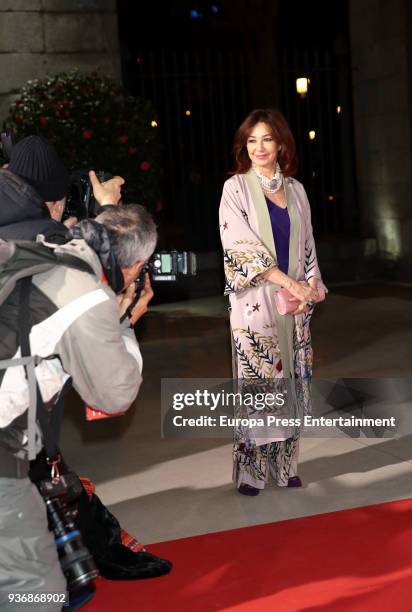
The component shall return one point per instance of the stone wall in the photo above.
(382, 112)
(40, 37)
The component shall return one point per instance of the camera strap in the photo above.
(50, 426)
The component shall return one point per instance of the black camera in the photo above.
(167, 265)
(80, 201)
(76, 562)
(163, 266)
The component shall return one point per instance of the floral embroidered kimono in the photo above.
(265, 344)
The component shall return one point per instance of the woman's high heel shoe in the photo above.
(246, 489)
(294, 481)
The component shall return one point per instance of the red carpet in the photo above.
(352, 560)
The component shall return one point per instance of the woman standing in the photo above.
(267, 238)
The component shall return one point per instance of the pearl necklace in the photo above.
(270, 185)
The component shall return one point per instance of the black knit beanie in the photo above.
(36, 161)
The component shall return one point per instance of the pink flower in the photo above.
(43, 120)
(132, 150)
(123, 139)
(87, 134)
(145, 165)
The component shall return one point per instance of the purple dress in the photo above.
(279, 218)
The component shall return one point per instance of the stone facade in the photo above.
(40, 37)
(381, 66)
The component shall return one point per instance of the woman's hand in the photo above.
(305, 293)
(313, 282)
(302, 291)
(304, 306)
(108, 192)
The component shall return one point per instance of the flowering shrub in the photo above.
(93, 125)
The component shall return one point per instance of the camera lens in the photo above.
(76, 562)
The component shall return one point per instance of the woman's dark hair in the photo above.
(280, 132)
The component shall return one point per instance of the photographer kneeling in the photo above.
(75, 332)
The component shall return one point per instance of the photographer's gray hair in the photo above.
(132, 232)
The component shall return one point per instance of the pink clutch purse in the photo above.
(286, 302)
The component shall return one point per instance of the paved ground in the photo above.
(162, 489)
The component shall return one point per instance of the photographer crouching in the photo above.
(72, 322)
